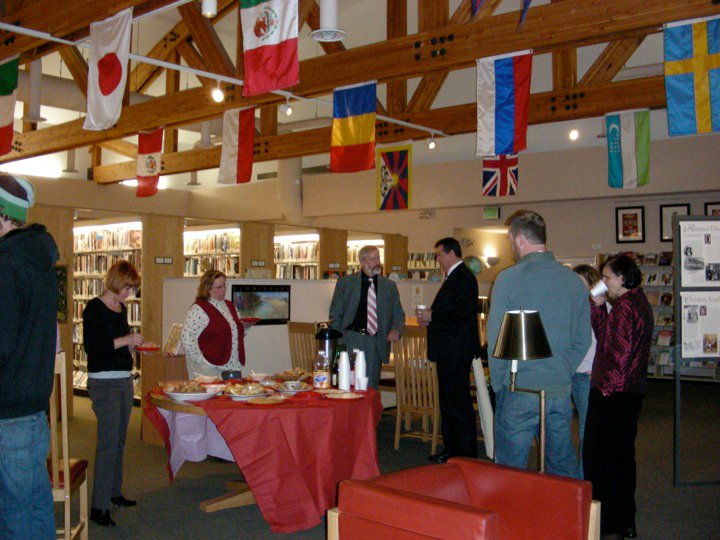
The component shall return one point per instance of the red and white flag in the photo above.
(8, 95)
(107, 70)
(236, 159)
(270, 45)
(149, 161)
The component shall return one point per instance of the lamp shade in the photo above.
(522, 337)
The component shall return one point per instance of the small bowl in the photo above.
(294, 385)
(258, 376)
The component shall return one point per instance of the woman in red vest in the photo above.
(213, 334)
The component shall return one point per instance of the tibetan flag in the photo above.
(270, 44)
(503, 94)
(149, 161)
(236, 159)
(692, 77)
(352, 147)
(394, 177)
(107, 70)
(628, 142)
(500, 176)
(8, 95)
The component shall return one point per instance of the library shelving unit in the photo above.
(212, 249)
(96, 248)
(297, 256)
(422, 265)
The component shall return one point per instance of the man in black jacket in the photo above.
(28, 311)
(453, 342)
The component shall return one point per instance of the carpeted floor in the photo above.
(664, 512)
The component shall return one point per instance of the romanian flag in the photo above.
(394, 177)
(8, 94)
(503, 94)
(270, 45)
(692, 76)
(352, 147)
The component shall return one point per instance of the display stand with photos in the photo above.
(697, 309)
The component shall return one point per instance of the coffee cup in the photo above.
(294, 385)
(599, 289)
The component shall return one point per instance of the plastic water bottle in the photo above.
(321, 371)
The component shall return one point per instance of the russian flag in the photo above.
(352, 147)
(503, 94)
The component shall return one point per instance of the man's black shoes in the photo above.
(101, 517)
(122, 502)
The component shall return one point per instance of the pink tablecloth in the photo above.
(291, 455)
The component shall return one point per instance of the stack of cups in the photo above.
(344, 371)
(360, 371)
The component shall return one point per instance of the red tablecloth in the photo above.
(293, 455)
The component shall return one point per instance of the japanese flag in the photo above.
(149, 161)
(107, 73)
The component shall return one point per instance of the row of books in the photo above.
(352, 254)
(212, 242)
(88, 286)
(99, 263)
(133, 310)
(108, 239)
(286, 271)
(422, 260)
(228, 264)
(299, 250)
(657, 279)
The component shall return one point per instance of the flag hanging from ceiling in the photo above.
(149, 161)
(8, 95)
(236, 159)
(503, 94)
(628, 143)
(352, 147)
(107, 70)
(500, 176)
(526, 5)
(475, 5)
(394, 177)
(692, 76)
(270, 45)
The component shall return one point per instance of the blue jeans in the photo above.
(26, 504)
(517, 421)
(580, 394)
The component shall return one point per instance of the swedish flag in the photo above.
(692, 77)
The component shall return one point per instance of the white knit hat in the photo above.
(16, 196)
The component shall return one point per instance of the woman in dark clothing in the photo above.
(109, 343)
(617, 388)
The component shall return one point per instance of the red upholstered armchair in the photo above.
(465, 498)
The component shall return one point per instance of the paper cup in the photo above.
(362, 383)
(599, 289)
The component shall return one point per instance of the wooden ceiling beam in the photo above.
(545, 108)
(122, 147)
(547, 28)
(207, 40)
(172, 86)
(611, 61)
(77, 66)
(564, 68)
(193, 59)
(396, 91)
(69, 19)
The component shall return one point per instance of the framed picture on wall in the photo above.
(712, 208)
(630, 224)
(667, 211)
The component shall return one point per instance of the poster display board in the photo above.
(700, 324)
(700, 253)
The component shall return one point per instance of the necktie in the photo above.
(371, 309)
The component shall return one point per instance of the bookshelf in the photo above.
(421, 265)
(297, 256)
(212, 249)
(96, 248)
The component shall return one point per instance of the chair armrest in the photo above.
(371, 510)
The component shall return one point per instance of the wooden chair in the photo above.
(303, 346)
(417, 394)
(60, 464)
(412, 344)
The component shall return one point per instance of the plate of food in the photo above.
(241, 392)
(188, 391)
(344, 395)
(293, 374)
(292, 387)
(148, 347)
(274, 400)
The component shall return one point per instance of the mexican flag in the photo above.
(8, 94)
(149, 162)
(270, 43)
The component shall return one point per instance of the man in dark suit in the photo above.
(350, 313)
(453, 343)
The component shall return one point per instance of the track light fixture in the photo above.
(286, 107)
(431, 143)
(209, 8)
(217, 94)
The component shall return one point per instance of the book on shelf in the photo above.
(651, 279)
(653, 297)
(665, 258)
(666, 278)
(664, 337)
(663, 358)
(650, 259)
(664, 318)
(666, 299)
(173, 344)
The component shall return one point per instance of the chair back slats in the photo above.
(303, 345)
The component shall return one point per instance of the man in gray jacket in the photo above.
(538, 282)
(366, 308)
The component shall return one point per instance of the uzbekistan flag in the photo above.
(394, 177)
(503, 94)
(352, 147)
(236, 159)
(628, 142)
(270, 44)
(149, 162)
(107, 70)
(692, 76)
(8, 95)
(500, 176)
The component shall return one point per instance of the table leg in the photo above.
(240, 495)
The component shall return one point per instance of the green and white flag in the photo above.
(628, 141)
(8, 95)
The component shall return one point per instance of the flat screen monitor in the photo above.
(269, 303)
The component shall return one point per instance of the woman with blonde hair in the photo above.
(109, 345)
